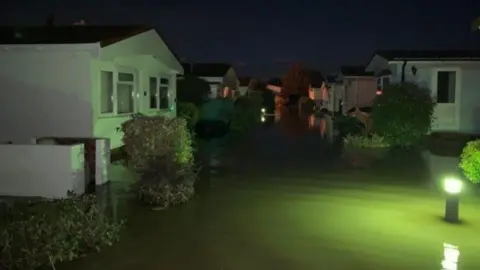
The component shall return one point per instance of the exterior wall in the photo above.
(143, 67)
(230, 79)
(214, 88)
(45, 91)
(464, 115)
(242, 90)
(359, 91)
(48, 171)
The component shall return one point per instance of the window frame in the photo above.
(380, 81)
(455, 72)
(159, 85)
(116, 71)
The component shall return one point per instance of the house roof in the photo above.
(71, 34)
(354, 71)
(316, 78)
(433, 55)
(206, 69)
(245, 81)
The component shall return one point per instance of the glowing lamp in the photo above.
(452, 185)
(379, 92)
(262, 119)
(453, 188)
(263, 110)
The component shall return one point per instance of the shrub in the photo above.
(45, 233)
(306, 104)
(146, 137)
(348, 125)
(359, 141)
(470, 161)
(189, 112)
(192, 89)
(403, 114)
(161, 151)
(246, 113)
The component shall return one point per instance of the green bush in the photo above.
(360, 141)
(189, 112)
(307, 105)
(246, 113)
(161, 150)
(192, 89)
(347, 125)
(403, 114)
(470, 161)
(42, 234)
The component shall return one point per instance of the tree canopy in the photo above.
(193, 90)
(295, 81)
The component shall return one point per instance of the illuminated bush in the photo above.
(42, 234)
(360, 141)
(470, 161)
(403, 114)
(160, 149)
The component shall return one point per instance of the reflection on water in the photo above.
(294, 123)
(451, 254)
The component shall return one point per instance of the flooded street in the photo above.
(284, 198)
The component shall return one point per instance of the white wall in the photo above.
(144, 67)
(48, 171)
(45, 91)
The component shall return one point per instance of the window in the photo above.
(446, 81)
(164, 93)
(159, 93)
(125, 93)
(153, 93)
(383, 82)
(106, 90)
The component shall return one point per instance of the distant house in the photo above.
(245, 84)
(337, 90)
(82, 80)
(222, 78)
(453, 78)
(359, 87)
(319, 91)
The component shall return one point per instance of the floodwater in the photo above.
(285, 198)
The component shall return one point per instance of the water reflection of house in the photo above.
(222, 77)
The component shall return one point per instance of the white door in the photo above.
(446, 86)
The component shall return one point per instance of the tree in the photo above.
(296, 81)
(192, 90)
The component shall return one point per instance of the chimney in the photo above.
(50, 21)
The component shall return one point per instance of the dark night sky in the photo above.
(263, 39)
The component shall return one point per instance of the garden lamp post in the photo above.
(452, 187)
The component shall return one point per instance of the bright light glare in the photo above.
(450, 257)
(452, 185)
(263, 119)
(263, 110)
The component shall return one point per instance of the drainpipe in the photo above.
(403, 71)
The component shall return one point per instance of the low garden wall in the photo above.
(48, 171)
